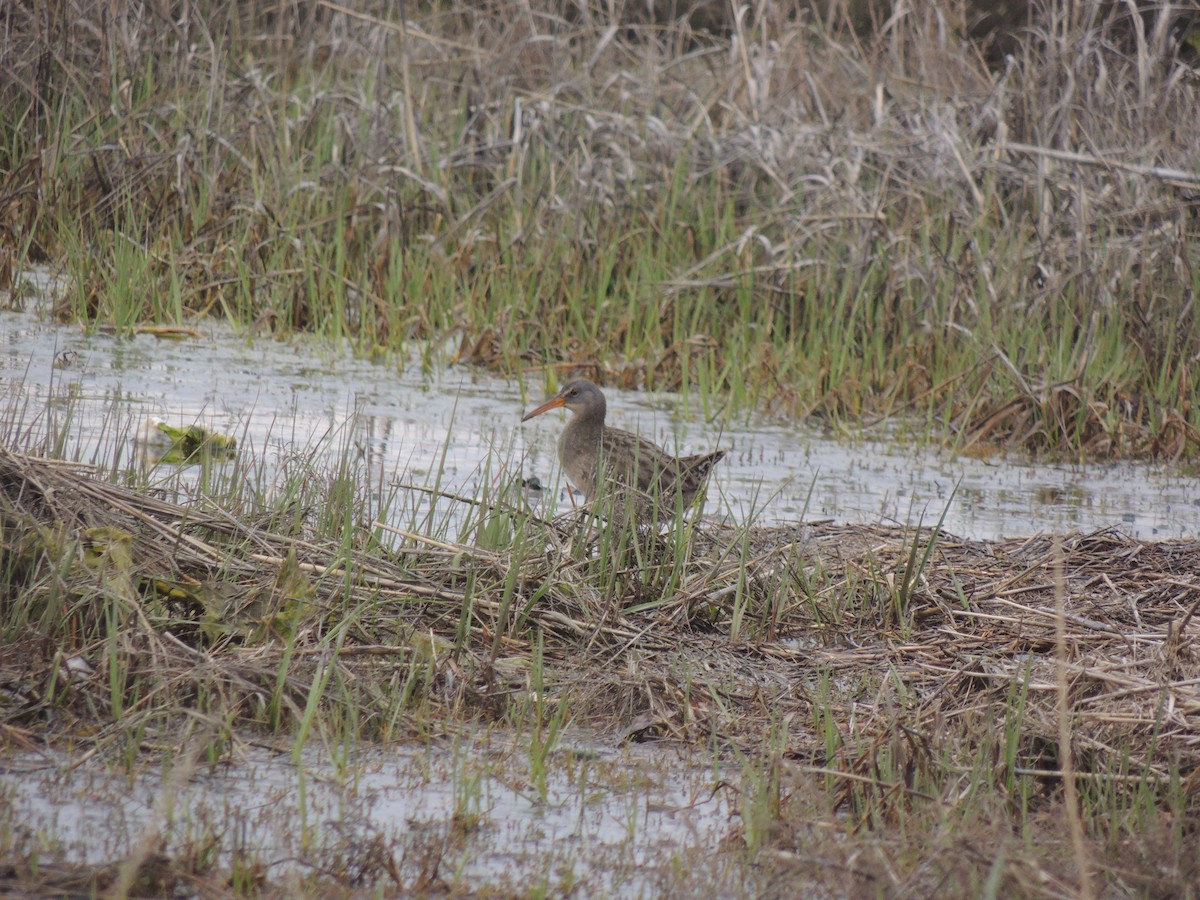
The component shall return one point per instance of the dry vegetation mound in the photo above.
(890, 672)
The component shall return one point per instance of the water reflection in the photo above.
(457, 428)
(613, 816)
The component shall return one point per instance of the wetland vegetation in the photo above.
(986, 237)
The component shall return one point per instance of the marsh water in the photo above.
(466, 809)
(415, 420)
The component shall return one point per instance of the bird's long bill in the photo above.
(553, 403)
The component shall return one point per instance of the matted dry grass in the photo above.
(900, 710)
(977, 622)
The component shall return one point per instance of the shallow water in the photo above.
(610, 817)
(451, 425)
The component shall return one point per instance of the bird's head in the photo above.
(579, 396)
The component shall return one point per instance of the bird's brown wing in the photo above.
(631, 460)
(636, 462)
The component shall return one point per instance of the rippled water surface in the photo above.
(604, 818)
(453, 426)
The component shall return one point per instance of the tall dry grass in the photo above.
(994, 234)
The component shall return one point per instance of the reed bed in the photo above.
(987, 228)
(886, 677)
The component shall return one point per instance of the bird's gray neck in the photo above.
(600, 410)
(585, 430)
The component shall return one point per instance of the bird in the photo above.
(599, 459)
